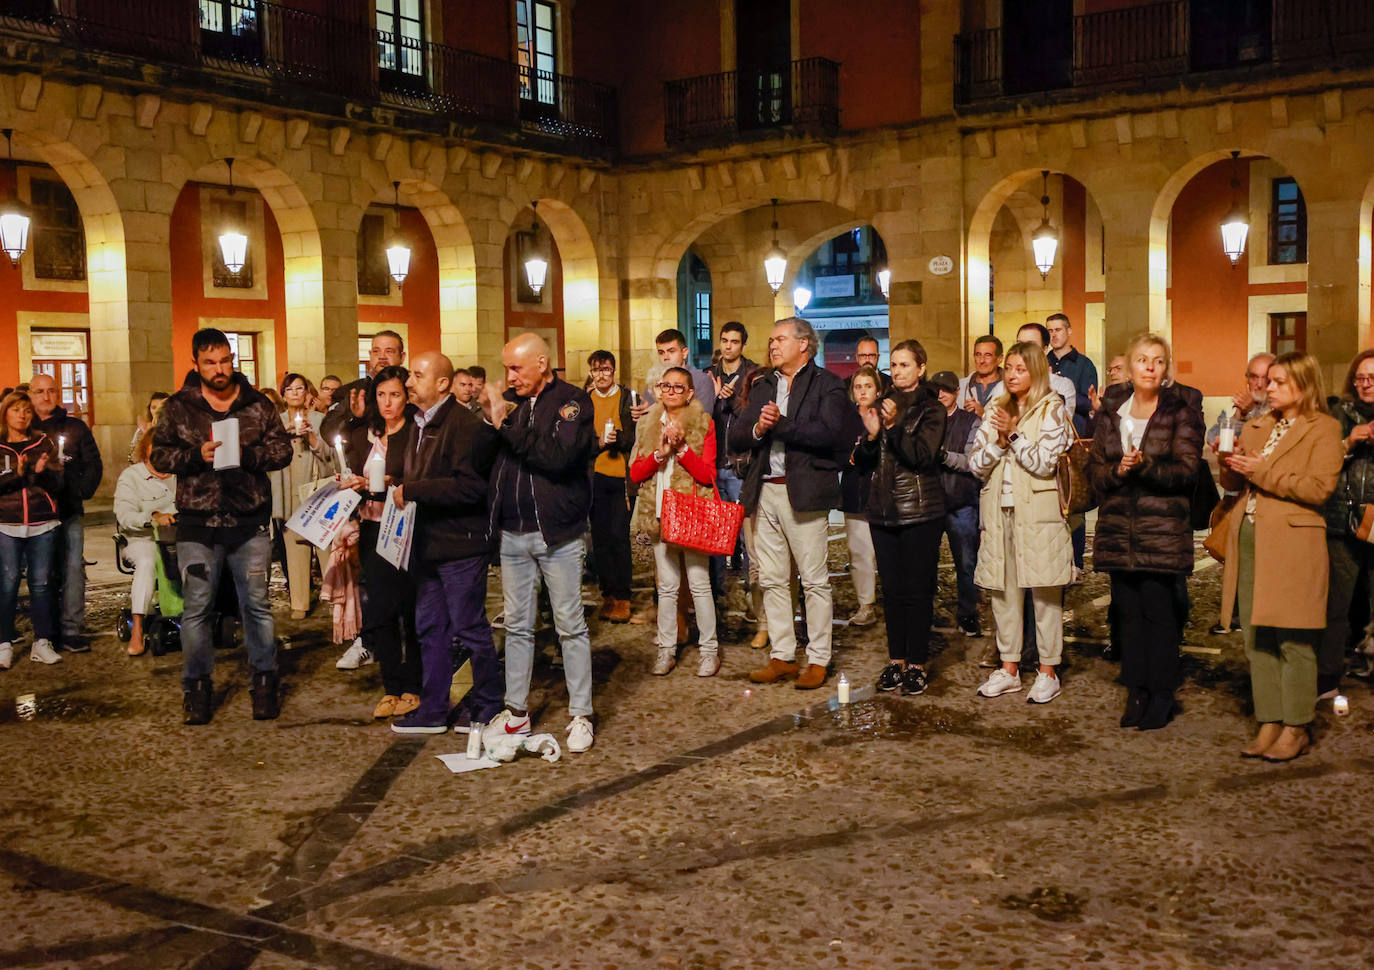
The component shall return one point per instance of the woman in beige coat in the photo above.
(1287, 464)
(1025, 542)
(312, 458)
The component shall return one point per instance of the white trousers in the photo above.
(863, 566)
(1008, 605)
(141, 553)
(782, 535)
(670, 562)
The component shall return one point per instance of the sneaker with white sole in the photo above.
(864, 616)
(356, 656)
(505, 725)
(1045, 689)
(999, 683)
(43, 653)
(665, 661)
(709, 663)
(6, 655)
(580, 735)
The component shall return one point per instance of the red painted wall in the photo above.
(15, 299)
(1075, 270)
(419, 309)
(1209, 296)
(879, 52)
(518, 316)
(674, 39)
(189, 302)
(484, 26)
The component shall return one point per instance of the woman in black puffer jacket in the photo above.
(906, 511)
(1349, 555)
(1144, 455)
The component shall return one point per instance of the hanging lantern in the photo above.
(14, 216)
(1044, 241)
(801, 298)
(775, 261)
(536, 266)
(1236, 226)
(233, 241)
(397, 250)
(885, 281)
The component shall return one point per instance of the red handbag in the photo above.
(701, 522)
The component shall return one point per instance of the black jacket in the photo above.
(815, 432)
(855, 476)
(907, 460)
(729, 408)
(82, 470)
(1143, 520)
(445, 475)
(1356, 486)
(962, 487)
(29, 498)
(233, 497)
(549, 444)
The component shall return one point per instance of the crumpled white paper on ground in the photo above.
(505, 750)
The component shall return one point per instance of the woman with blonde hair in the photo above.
(1025, 542)
(1286, 465)
(312, 458)
(143, 497)
(1145, 451)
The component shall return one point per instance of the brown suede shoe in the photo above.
(760, 640)
(1291, 743)
(1268, 733)
(811, 678)
(619, 611)
(605, 612)
(775, 671)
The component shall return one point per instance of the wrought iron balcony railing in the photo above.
(1163, 42)
(285, 46)
(804, 93)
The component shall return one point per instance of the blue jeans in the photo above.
(37, 553)
(451, 603)
(961, 526)
(525, 557)
(201, 566)
(729, 484)
(69, 576)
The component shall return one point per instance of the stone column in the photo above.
(1333, 283)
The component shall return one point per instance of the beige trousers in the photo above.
(782, 535)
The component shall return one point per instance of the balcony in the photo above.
(803, 95)
(1162, 44)
(266, 51)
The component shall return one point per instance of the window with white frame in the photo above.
(536, 49)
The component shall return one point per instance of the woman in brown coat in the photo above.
(1286, 466)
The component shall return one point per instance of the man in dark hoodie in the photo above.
(540, 498)
(222, 516)
(81, 471)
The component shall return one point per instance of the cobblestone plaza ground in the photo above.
(712, 825)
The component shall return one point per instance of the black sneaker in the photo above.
(76, 644)
(969, 624)
(891, 677)
(914, 680)
(1217, 629)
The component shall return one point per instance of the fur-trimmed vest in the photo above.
(696, 423)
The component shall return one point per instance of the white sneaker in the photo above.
(355, 656)
(665, 662)
(505, 725)
(6, 655)
(580, 735)
(1000, 683)
(43, 653)
(709, 664)
(1046, 689)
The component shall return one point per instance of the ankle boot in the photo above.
(1269, 732)
(1136, 699)
(1292, 742)
(1159, 710)
(266, 695)
(196, 700)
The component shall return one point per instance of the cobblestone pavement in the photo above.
(712, 825)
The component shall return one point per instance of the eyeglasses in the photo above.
(606, 369)
(674, 388)
(1252, 376)
(1364, 380)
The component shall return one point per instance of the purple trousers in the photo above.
(451, 607)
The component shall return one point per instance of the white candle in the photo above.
(61, 447)
(7, 462)
(376, 473)
(606, 434)
(300, 423)
(1226, 440)
(474, 741)
(843, 689)
(343, 462)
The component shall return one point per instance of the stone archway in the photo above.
(588, 312)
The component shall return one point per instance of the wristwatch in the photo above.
(1011, 438)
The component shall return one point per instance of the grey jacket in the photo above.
(138, 494)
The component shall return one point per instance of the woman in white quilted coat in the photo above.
(1025, 541)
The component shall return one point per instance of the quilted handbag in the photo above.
(701, 522)
(1071, 479)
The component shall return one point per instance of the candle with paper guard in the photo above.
(1341, 704)
(343, 462)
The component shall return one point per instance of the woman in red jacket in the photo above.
(30, 479)
(675, 448)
